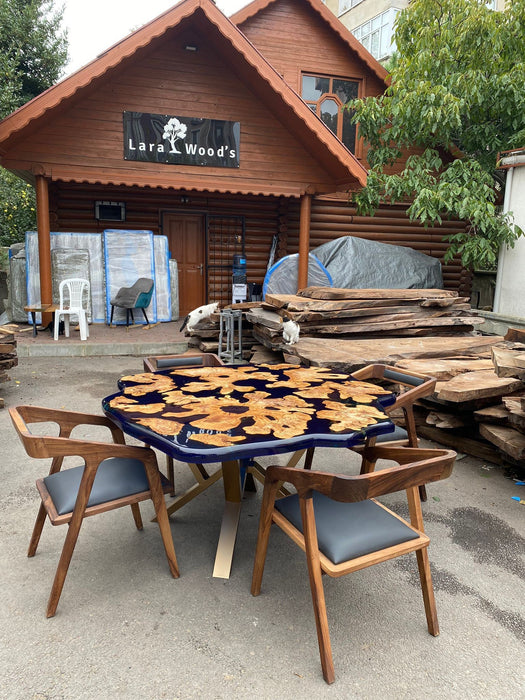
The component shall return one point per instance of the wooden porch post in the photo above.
(304, 241)
(44, 243)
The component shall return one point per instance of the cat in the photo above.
(198, 314)
(291, 331)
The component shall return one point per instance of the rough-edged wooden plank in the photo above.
(517, 420)
(515, 334)
(339, 293)
(476, 385)
(267, 318)
(508, 440)
(497, 415)
(398, 323)
(348, 355)
(444, 421)
(447, 302)
(292, 302)
(327, 316)
(508, 363)
(445, 369)
(461, 443)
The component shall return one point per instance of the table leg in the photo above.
(231, 475)
(33, 319)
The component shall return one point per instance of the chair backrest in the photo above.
(416, 387)
(58, 445)
(417, 466)
(73, 293)
(205, 359)
(143, 288)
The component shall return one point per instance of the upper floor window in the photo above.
(327, 97)
(345, 5)
(376, 35)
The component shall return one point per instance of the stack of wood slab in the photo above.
(8, 358)
(328, 312)
(466, 411)
(467, 383)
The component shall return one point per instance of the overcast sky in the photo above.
(95, 25)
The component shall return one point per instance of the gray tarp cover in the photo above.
(355, 263)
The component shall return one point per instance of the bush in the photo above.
(17, 208)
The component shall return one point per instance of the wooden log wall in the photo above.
(333, 218)
(73, 210)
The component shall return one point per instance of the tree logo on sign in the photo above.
(173, 131)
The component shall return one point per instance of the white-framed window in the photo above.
(376, 34)
(345, 5)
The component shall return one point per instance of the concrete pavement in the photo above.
(125, 629)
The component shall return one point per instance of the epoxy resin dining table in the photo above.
(233, 413)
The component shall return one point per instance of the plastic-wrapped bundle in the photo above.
(162, 278)
(92, 242)
(281, 278)
(128, 256)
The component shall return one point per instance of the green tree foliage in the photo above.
(457, 93)
(33, 53)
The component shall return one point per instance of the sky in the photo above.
(95, 25)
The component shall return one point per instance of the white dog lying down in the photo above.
(198, 314)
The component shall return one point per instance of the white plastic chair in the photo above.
(72, 303)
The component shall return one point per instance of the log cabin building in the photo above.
(225, 135)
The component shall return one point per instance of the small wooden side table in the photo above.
(34, 309)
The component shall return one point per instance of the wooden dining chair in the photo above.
(186, 361)
(412, 387)
(112, 475)
(337, 521)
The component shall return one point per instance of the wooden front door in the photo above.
(186, 241)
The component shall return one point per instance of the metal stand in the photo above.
(231, 354)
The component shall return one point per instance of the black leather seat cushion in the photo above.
(398, 434)
(348, 530)
(116, 477)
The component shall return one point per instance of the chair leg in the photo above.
(82, 324)
(111, 317)
(56, 325)
(429, 600)
(137, 516)
(157, 496)
(170, 473)
(423, 493)
(37, 531)
(144, 312)
(316, 587)
(265, 524)
(309, 458)
(63, 566)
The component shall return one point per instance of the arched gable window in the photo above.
(326, 97)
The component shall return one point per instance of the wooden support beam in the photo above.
(44, 243)
(304, 240)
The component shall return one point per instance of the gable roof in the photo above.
(342, 166)
(333, 22)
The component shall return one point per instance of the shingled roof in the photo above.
(342, 166)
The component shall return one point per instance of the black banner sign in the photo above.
(161, 138)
